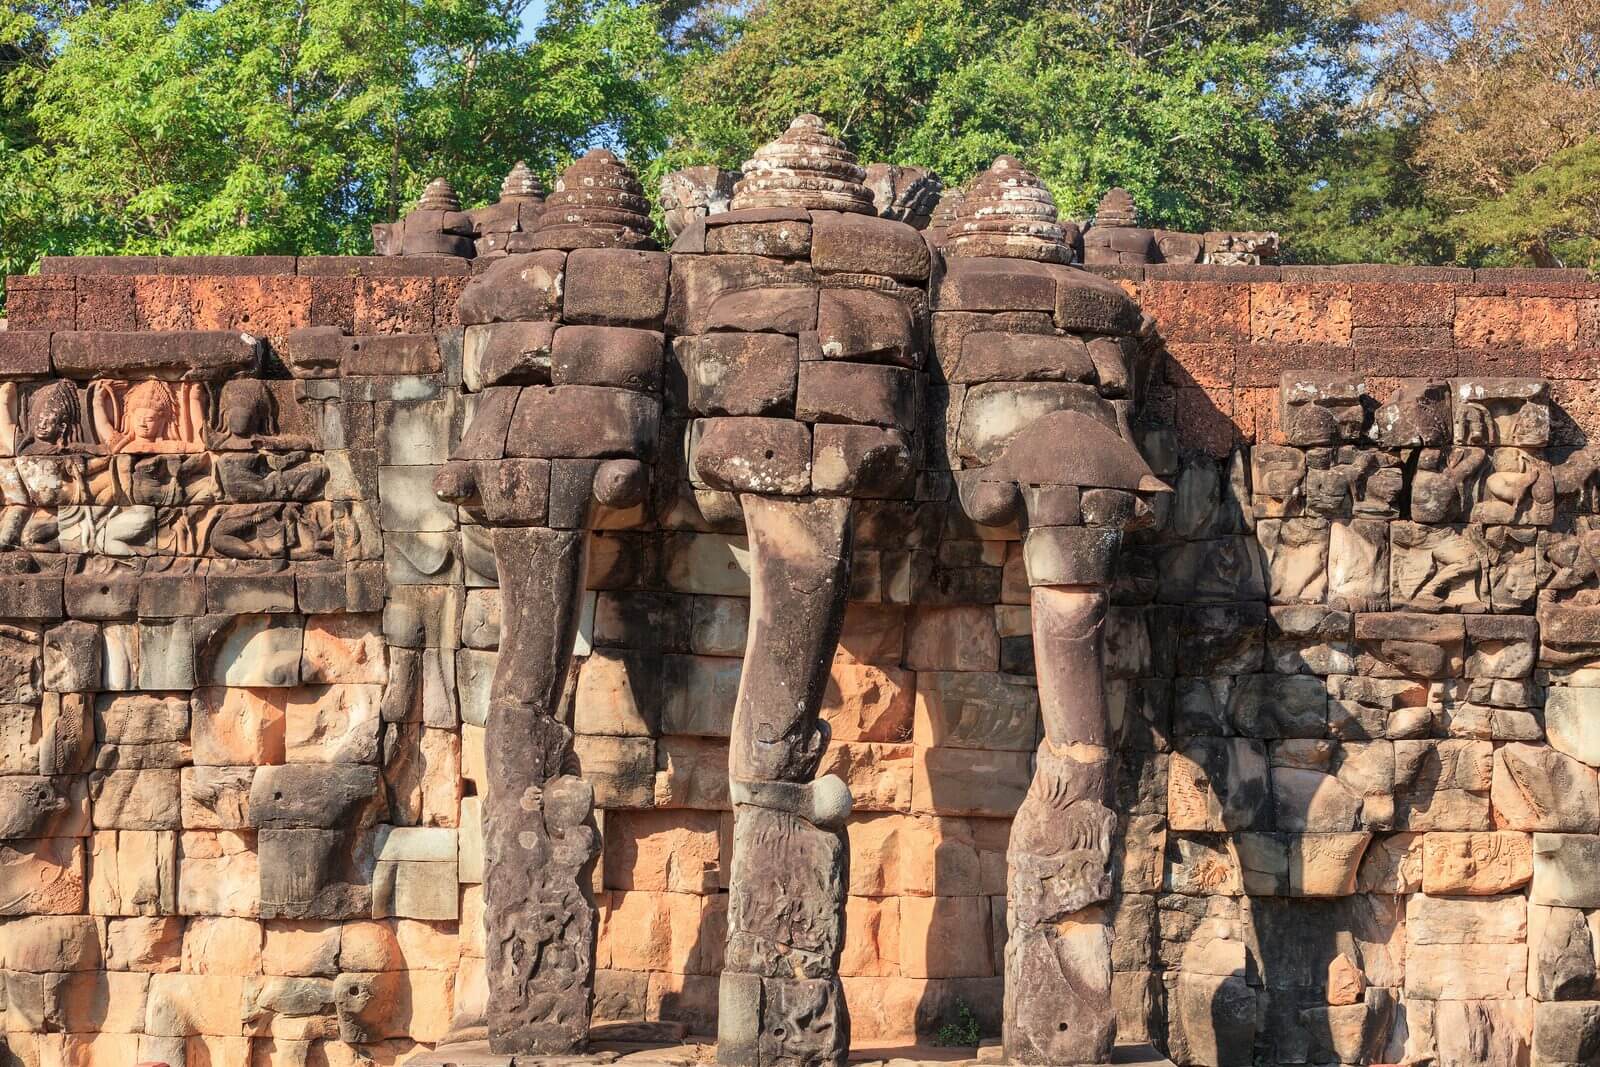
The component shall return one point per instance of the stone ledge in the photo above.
(186, 265)
(688, 1054)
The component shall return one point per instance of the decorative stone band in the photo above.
(824, 802)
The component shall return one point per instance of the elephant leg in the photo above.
(539, 837)
(1058, 1006)
(782, 1004)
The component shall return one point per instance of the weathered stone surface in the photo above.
(324, 796)
(1560, 866)
(1480, 864)
(1536, 788)
(754, 455)
(740, 373)
(515, 289)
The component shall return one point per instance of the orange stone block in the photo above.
(945, 937)
(235, 727)
(222, 945)
(676, 851)
(264, 305)
(42, 876)
(1284, 313)
(872, 947)
(869, 703)
(343, 649)
(642, 931)
(141, 943)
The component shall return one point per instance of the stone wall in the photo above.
(1351, 813)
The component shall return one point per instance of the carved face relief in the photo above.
(245, 408)
(53, 418)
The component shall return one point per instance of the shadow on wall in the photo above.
(1263, 949)
(1350, 635)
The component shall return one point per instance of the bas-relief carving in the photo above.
(148, 416)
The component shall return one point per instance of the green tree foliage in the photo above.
(1365, 201)
(261, 126)
(1504, 99)
(1200, 109)
(1549, 216)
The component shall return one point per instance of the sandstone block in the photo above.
(216, 798)
(222, 945)
(740, 373)
(219, 874)
(250, 650)
(300, 949)
(952, 639)
(72, 657)
(310, 874)
(869, 326)
(869, 703)
(582, 422)
(616, 287)
(314, 795)
(757, 455)
(968, 709)
(860, 393)
(237, 726)
(879, 776)
(1218, 784)
(1536, 788)
(297, 1009)
(1572, 722)
(1566, 1032)
(861, 461)
(343, 649)
(515, 289)
(144, 943)
(622, 769)
(136, 800)
(393, 1004)
(1476, 864)
(1560, 863)
(416, 889)
(867, 245)
(949, 781)
(40, 943)
(133, 872)
(699, 695)
(333, 724)
(180, 1005)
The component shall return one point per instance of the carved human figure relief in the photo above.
(148, 416)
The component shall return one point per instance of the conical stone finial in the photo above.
(520, 184)
(597, 203)
(1117, 209)
(440, 195)
(1008, 212)
(807, 167)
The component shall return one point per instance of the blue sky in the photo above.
(531, 18)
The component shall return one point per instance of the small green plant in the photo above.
(961, 1030)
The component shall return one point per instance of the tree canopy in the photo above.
(1460, 131)
(259, 126)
